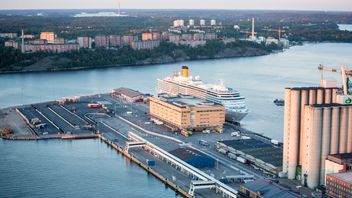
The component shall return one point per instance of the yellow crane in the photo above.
(345, 74)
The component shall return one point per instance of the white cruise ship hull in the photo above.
(236, 117)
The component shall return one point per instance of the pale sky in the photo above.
(345, 5)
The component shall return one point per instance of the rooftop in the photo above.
(187, 153)
(258, 149)
(186, 100)
(345, 177)
(127, 92)
(269, 189)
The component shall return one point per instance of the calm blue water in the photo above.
(259, 79)
(79, 168)
(347, 27)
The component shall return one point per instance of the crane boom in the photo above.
(345, 74)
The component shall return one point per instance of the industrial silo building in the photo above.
(315, 125)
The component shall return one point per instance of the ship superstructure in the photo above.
(182, 83)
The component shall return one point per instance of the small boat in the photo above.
(279, 102)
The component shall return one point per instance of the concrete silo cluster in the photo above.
(315, 126)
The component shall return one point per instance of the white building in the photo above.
(179, 23)
(202, 22)
(271, 40)
(191, 22)
(213, 22)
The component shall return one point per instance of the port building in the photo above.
(186, 112)
(339, 185)
(194, 157)
(263, 155)
(127, 94)
(262, 188)
(316, 125)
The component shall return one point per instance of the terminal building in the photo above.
(127, 94)
(262, 188)
(316, 124)
(265, 156)
(187, 112)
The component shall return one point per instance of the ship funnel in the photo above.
(185, 71)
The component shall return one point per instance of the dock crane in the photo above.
(279, 31)
(345, 74)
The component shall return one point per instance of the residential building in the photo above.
(198, 36)
(12, 43)
(186, 37)
(174, 38)
(101, 41)
(126, 94)
(84, 42)
(127, 39)
(59, 41)
(339, 185)
(193, 43)
(149, 44)
(179, 23)
(115, 40)
(147, 36)
(54, 48)
(210, 36)
(48, 36)
(186, 112)
(8, 35)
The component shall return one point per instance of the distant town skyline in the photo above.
(325, 5)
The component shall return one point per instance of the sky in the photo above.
(344, 5)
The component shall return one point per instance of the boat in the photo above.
(279, 102)
(181, 83)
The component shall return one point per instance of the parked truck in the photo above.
(242, 160)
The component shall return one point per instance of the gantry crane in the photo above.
(345, 74)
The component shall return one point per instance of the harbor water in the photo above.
(77, 168)
(88, 168)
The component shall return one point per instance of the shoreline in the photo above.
(83, 68)
(87, 68)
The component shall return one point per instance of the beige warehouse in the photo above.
(187, 112)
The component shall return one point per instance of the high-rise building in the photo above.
(48, 36)
(191, 22)
(101, 41)
(202, 22)
(315, 126)
(84, 42)
(213, 22)
(127, 39)
(179, 23)
(150, 44)
(115, 40)
(147, 36)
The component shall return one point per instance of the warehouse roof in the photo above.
(127, 92)
(269, 189)
(186, 100)
(258, 149)
(345, 177)
(187, 153)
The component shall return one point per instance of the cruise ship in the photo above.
(182, 83)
